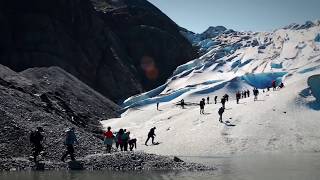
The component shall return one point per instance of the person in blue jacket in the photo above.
(71, 139)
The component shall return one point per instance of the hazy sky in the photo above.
(256, 15)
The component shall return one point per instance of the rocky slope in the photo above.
(119, 48)
(54, 99)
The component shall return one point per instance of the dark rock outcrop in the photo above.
(55, 100)
(118, 48)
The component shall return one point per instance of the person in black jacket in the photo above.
(36, 139)
(220, 112)
(151, 135)
(202, 104)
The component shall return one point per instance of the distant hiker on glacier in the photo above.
(255, 93)
(220, 112)
(108, 139)
(274, 86)
(215, 99)
(208, 98)
(238, 96)
(71, 139)
(248, 92)
(182, 103)
(202, 104)
(281, 85)
(158, 106)
(223, 102)
(226, 97)
(245, 94)
(36, 139)
(151, 135)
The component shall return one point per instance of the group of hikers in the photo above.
(239, 95)
(121, 139)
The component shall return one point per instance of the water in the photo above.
(249, 167)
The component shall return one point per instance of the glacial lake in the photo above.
(246, 167)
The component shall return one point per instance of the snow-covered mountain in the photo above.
(285, 120)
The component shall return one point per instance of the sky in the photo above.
(240, 15)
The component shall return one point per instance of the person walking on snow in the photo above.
(36, 139)
(208, 98)
(274, 86)
(226, 97)
(158, 106)
(108, 139)
(238, 96)
(220, 112)
(71, 139)
(223, 102)
(202, 104)
(151, 135)
(215, 99)
(248, 93)
(255, 93)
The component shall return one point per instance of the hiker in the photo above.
(108, 139)
(132, 144)
(220, 112)
(268, 88)
(242, 95)
(36, 139)
(182, 103)
(158, 106)
(226, 97)
(281, 85)
(202, 104)
(119, 139)
(255, 93)
(71, 139)
(116, 139)
(125, 139)
(238, 96)
(248, 92)
(245, 94)
(215, 99)
(151, 135)
(274, 85)
(208, 98)
(223, 102)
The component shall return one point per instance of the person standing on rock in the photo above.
(215, 99)
(202, 104)
(220, 112)
(36, 139)
(151, 135)
(108, 139)
(71, 139)
(119, 139)
(125, 140)
(133, 144)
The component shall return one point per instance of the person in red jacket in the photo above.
(108, 139)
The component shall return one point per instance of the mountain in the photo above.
(281, 121)
(55, 100)
(206, 40)
(119, 48)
